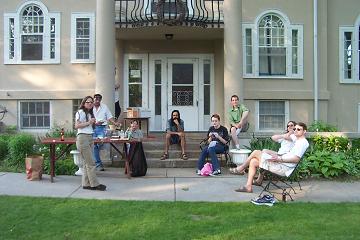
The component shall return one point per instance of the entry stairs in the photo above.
(154, 149)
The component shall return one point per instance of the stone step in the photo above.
(168, 163)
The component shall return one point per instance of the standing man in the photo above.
(103, 116)
(175, 134)
(238, 115)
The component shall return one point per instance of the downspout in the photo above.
(316, 83)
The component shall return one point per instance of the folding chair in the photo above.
(281, 182)
(204, 143)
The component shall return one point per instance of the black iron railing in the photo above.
(140, 13)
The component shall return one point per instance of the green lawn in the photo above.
(54, 218)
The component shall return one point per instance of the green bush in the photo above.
(3, 149)
(331, 143)
(263, 143)
(327, 164)
(20, 145)
(62, 167)
(320, 126)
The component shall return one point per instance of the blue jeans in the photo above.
(219, 148)
(99, 131)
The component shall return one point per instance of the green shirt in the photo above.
(235, 114)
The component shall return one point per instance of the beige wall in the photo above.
(345, 98)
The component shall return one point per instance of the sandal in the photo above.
(243, 189)
(236, 171)
(164, 156)
(184, 156)
(254, 182)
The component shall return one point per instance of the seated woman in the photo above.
(282, 165)
(133, 132)
(286, 140)
(217, 138)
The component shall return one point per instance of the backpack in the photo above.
(137, 160)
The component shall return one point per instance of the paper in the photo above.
(212, 144)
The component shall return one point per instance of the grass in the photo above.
(55, 218)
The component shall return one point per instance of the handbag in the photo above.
(206, 170)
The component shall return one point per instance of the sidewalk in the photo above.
(169, 184)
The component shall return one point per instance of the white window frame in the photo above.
(17, 36)
(32, 129)
(257, 112)
(288, 44)
(145, 79)
(91, 17)
(355, 59)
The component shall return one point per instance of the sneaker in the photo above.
(100, 168)
(198, 172)
(264, 200)
(215, 173)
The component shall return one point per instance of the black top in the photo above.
(222, 131)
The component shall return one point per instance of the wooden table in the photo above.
(139, 119)
(52, 142)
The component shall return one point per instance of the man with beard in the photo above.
(175, 135)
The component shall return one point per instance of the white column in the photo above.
(233, 80)
(105, 51)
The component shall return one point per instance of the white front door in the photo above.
(182, 91)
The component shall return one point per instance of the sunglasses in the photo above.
(89, 102)
(290, 125)
(297, 129)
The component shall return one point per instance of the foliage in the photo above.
(263, 143)
(320, 126)
(355, 143)
(3, 149)
(62, 167)
(20, 145)
(327, 164)
(173, 220)
(331, 143)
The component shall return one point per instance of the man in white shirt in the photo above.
(103, 116)
(282, 165)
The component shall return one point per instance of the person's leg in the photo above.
(182, 142)
(167, 144)
(254, 154)
(117, 110)
(234, 136)
(98, 132)
(202, 157)
(219, 148)
(254, 164)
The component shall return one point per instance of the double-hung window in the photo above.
(272, 115)
(272, 47)
(83, 38)
(349, 53)
(34, 114)
(32, 35)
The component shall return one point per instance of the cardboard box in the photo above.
(132, 113)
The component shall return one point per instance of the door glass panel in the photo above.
(182, 96)
(135, 83)
(182, 73)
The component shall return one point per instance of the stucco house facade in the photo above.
(285, 59)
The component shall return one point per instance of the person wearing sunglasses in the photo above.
(84, 123)
(282, 165)
(286, 140)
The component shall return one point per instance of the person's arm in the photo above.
(287, 159)
(243, 120)
(231, 118)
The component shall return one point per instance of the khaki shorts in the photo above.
(275, 167)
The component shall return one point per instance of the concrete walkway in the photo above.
(169, 184)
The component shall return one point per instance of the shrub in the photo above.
(20, 145)
(3, 149)
(62, 167)
(320, 126)
(263, 143)
(331, 143)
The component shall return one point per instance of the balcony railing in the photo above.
(142, 13)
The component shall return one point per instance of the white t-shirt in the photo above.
(298, 150)
(286, 145)
(80, 116)
(102, 113)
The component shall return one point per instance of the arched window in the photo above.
(32, 35)
(272, 47)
